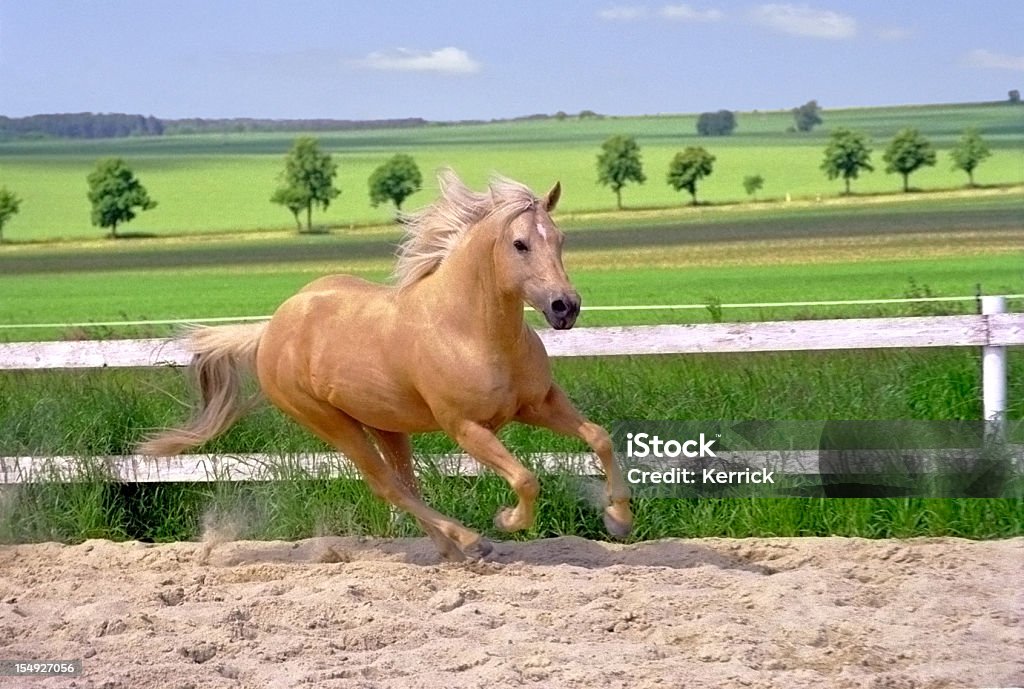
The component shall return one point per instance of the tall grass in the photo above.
(88, 413)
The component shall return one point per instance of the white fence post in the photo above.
(993, 373)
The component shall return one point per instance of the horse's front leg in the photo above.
(558, 414)
(485, 447)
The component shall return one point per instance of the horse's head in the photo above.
(528, 257)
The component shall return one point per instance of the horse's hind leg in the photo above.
(557, 413)
(397, 451)
(349, 436)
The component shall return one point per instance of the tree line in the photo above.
(847, 154)
(88, 125)
(116, 196)
(82, 125)
(723, 122)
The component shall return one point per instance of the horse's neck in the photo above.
(466, 293)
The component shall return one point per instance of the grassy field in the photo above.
(88, 413)
(865, 247)
(245, 291)
(942, 247)
(223, 182)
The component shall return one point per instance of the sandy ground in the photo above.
(566, 612)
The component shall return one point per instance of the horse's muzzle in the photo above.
(561, 313)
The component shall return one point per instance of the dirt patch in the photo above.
(565, 612)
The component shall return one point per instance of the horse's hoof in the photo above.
(452, 555)
(505, 520)
(618, 525)
(478, 549)
(448, 551)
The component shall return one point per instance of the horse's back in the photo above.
(340, 340)
(344, 283)
(336, 307)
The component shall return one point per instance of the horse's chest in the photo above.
(488, 386)
(499, 393)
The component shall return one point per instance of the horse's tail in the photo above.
(223, 355)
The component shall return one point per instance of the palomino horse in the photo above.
(364, 365)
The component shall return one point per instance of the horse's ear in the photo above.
(551, 200)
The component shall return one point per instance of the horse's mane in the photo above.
(433, 232)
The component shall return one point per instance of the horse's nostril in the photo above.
(558, 306)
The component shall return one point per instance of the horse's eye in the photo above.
(520, 246)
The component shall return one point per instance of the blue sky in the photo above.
(453, 59)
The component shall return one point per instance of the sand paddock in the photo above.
(565, 612)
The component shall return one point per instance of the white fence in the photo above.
(586, 308)
(993, 331)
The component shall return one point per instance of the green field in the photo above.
(866, 247)
(942, 247)
(90, 413)
(223, 182)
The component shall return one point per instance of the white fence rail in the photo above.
(995, 330)
(992, 331)
(264, 467)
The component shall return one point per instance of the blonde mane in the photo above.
(433, 232)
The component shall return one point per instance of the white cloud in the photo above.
(678, 12)
(687, 13)
(447, 60)
(801, 20)
(623, 13)
(986, 59)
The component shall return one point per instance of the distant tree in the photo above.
(753, 184)
(115, 194)
(395, 180)
(907, 152)
(308, 179)
(9, 206)
(721, 123)
(588, 115)
(294, 199)
(689, 167)
(1014, 96)
(968, 152)
(807, 116)
(847, 153)
(618, 164)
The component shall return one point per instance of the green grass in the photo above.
(216, 292)
(303, 508)
(220, 182)
(873, 251)
(88, 413)
(101, 412)
(890, 249)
